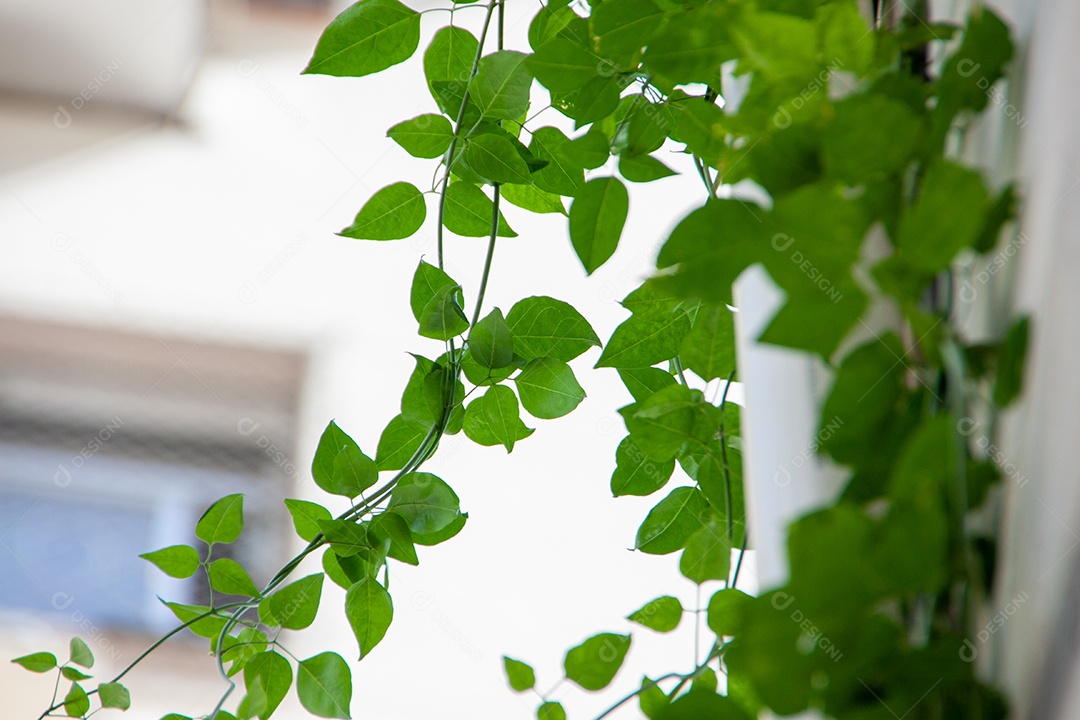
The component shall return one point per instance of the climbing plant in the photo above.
(826, 146)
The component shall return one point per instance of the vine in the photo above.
(811, 131)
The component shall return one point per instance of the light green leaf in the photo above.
(178, 561)
(545, 327)
(777, 45)
(644, 340)
(394, 212)
(114, 695)
(494, 418)
(38, 662)
(339, 466)
(532, 198)
(669, 525)
(443, 318)
(708, 554)
(642, 383)
(597, 216)
(223, 521)
(425, 136)
(594, 663)
(561, 175)
(692, 46)
(448, 63)
(491, 343)
(636, 474)
(468, 212)
(394, 530)
(662, 423)
(427, 281)
(350, 538)
(662, 614)
(397, 444)
(520, 675)
(550, 710)
(294, 606)
(76, 703)
(370, 610)
(709, 348)
(367, 37)
(563, 65)
(548, 388)
(426, 502)
(623, 27)
(73, 673)
(726, 610)
(228, 576)
(306, 516)
(324, 684)
(270, 676)
(495, 159)
(946, 217)
(1011, 360)
(441, 536)
(643, 168)
(501, 85)
(207, 627)
(871, 135)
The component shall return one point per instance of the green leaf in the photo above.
(520, 676)
(636, 474)
(870, 135)
(551, 21)
(662, 614)
(468, 212)
(561, 175)
(345, 571)
(692, 46)
(946, 217)
(545, 327)
(394, 212)
(533, 199)
(207, 627)
(294, 606)
(495, 159)
(368, 37)
(703, 127)
(726, 609)
(73, 673)
(708, 554)
(651, 699)
(306, 516)
(777, 45)
(426, 503)
(223, 521)
(501, 85)
(845, 38)
(352, 538)
(80, 653)
(369, 609)
(709, 348)
(397, 444)
(393, 528)
(38, 662)
(1010, 375)
(494, 418)
(272, 675)
(339, 466)
(969, 75)
(623, 27)
(550, 710)
(324, 684)
(591, 150)
(703, 704)
(548, 388)
(448, 63)
(563, 65)
(441, 536)
(228, 576)
(491, 342)
(76, 703)
(596, 100)
(427, 281)
(644, 340)
(644, 382)
(594, 663)
(597, 216)
(669, 525)
(443, 317)
(178, 561)
(643, 168)
(114, 695)
(425, 136)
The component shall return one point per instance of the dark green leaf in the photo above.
(38, 662)
(468, 212)
(270, 676)
(870, 135)
(662, 423)
(440, 536)
(223, 521)
(644, 382)
(394, 212)
(593, 664)
(644, 340)
(491, 342)
(294, 606)
(369, 609)
(324, 684)
(350, 538)
(443, 317)
(548, 388)
(946, 217)
(520, 676)
(178, 561)
(228, 576)
(636, 474)
(426, 502)
(1010, 375)
(692, 46)
(501, 85)
(427, 281)
(495, 159)
(76, 703)
(552, 20)
(643, 168)
(669, 525)
(397, 444)
(662, 614)
(623, 27)
(545, 327)
(366, 38)
(597, 216)
(709, 348)
(306, 516)
(425, 136)
(114, 695)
